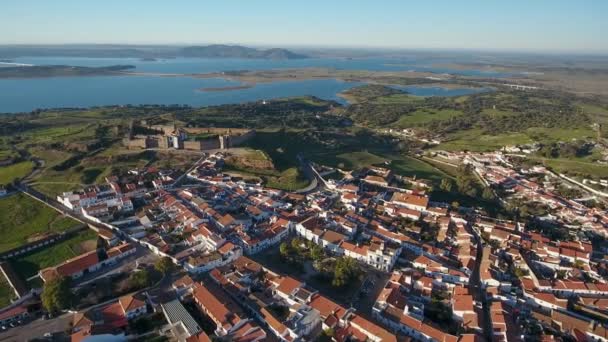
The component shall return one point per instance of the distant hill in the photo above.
(236, 51)
(148, 52)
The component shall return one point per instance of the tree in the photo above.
(296, 245)
(446, 185)
(56, 294)
(139, 279)
(165, 265)
(345, 269)
(487, 194)
(316, 252)
(285, 250)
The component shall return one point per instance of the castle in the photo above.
(188, 138)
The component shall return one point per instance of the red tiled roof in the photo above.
(113, 316)
(129, 303)
(422, 201)
(288, 284)
(72, 266)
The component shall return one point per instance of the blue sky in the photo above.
(550, 25)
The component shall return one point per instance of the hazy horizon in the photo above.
(517, 26)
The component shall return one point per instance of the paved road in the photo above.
(315, 182)
(477, 291)
(192, 168)
(37, 328)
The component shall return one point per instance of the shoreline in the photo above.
(228, 88)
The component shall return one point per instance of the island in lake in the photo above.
(238, 87)
(36, 71)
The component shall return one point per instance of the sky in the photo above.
(524, 25)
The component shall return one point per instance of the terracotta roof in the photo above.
(114, 316)
(184, 281)
(353, 248)
(219, 307)
(248, 332)
(279, 327)
(129, 303)
(120, 249)
(200, 337)
(72, 266)
(333, 237)
(373, 329)
(463, 303)
(422, 201)
(326, 307)
(288, 284)
(226, 220)
(226, 248)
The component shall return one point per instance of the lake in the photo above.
(207, 65)
(24, 95)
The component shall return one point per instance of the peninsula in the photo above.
(37, 71)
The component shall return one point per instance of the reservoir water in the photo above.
(24, 95)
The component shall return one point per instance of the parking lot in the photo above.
(37, 327)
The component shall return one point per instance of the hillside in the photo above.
(142, 51)
(236, 51)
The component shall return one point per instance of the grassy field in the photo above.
(290, 179)
(599, 114)
(397, 99)
(19, 170)
(357, 160)
(422, 116)
(408, 166)
(23, 218)
(475, 140)
(574, 166)
(284, 148)
(89, 170)
(6, 152)
(257, 164)
(496, 113)
(400, 164)
(29, 265)
(6, 292)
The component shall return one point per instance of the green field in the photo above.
(398, 99)
(29, 265)
(23, 218)
(476, 140)
(422, 116)
(599, 114)
(283, 148)
(410, 167)
(290, 179)
(6, 292)
(89, 170)
(285, 179)
(574, 166)
(19, 170)
(496, 113)
(357, 160)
